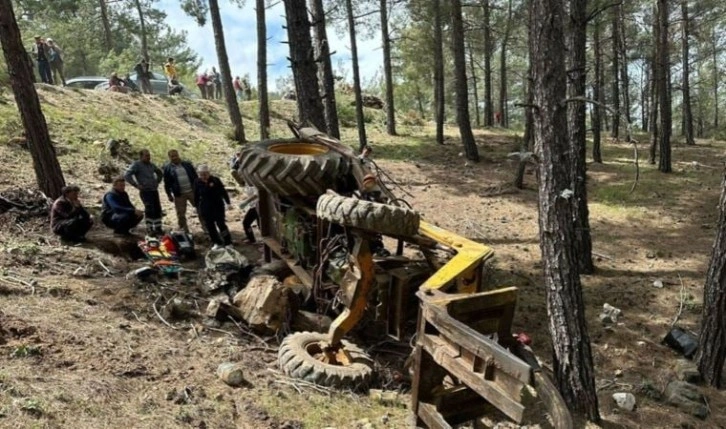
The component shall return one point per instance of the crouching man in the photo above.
(68, 218)
(118, 212)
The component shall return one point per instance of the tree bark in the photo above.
(645, 97)
(462, 90)
(388, 70)
(229, 95)
(48, 172)
(576, 117)
(475, 91)
(597, 94)
(488, 105)
(716, 64)
(572, 361)
(503, 93)
(687, 112)
(624, 75)
(712, 342)
(439, 102)
(615, 131)
(304, 71)
(107, 39)
(144, 43)
(262, 96)
(360, 119)
(325, 68)
(655, 101)
(664, 90)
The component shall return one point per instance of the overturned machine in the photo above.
(325, 211)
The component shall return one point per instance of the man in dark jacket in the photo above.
(145, 176)
(143, 76)
(68, 218)
(118, 213)
(179, 179)
(41, 51)
(211, 198)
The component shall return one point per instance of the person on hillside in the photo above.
(41, 53)
(237, 85)
(143, 76)
(211, 197)
(170, 70)
(202, 81)
(146, 177)
(68, 218)
(217, 81)
(118, 213)
(55, 57)
(130, 84)
(116, 84)
(179, 179)
(247, 88)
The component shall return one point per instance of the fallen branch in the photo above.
(159, 315)
(603, 256)
(682, 295)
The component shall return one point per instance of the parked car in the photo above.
(86, 82)
(158, 84)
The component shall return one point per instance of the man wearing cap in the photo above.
(146, 177)
(42, 54)
(68, 218)
(55, 57)
(118, 213)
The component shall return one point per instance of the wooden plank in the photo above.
(456, 304)
(489, 390)
(465, 337)
(299, 271)
(431, 417)
(556, 407)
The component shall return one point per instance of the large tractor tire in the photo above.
(300, 357)
(381, 218)
(293, 168)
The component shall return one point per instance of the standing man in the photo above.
(55, 56)
(179, 179)
(211, 198)
(145, 176)
(170, 70)
(118, 213)
(217, 80)
(68, 218)
(143, 76)
(40, 51)
(237, 88)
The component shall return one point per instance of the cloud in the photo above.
(240, 34)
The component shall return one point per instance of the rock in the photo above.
(687, 398)
(658, 284)
(308, 321)
(177, 310)
(277, 268)
(618, 373)
(626, 401)
(688, 371)
(263, 303)
(231, 374)
(609, 314)
(363, 424)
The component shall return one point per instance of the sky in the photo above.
(240, 34)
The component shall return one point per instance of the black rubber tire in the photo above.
(278, 167)
(380, 218)
(295, 361)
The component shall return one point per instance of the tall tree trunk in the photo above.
(645, 96)
(576, 112)
(262, 96)
(615, 131)
(475, 91)
(309, 105)
(716, 65)
(360, 120)
(664, 90)
(388, 70)
(503, 95)
(325, 68)
(624, 75)
(712, 342)
(655, 100)
(687, 112)
(572, 360)
(488, 105)
(229, 95)
(462, 90)
(48, 173)
(528, 138)
(439, 102)
(107, 39)
(144, 43)
(597, 95)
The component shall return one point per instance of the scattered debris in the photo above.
(25, 202)
(177, 309)
(231, 374)
(225, 269)
(687, 398)
(687, 371)
(682, 341)
(609, 314)
(389, 398)
(263, 303)
(307, 321)
(108, 171)
(626, 401)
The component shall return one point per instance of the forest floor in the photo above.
(81, 346)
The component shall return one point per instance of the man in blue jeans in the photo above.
(41, 51)
(145, 176)
(118, 212)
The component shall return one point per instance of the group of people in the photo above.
(183, 184)
(242, 89)
(49, 58)
(210, 84)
